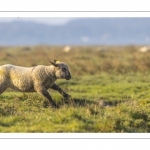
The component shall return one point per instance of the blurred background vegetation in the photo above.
(81, 59)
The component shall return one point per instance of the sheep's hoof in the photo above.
(55, 106)
(67, 96)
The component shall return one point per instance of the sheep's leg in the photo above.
(1, 91)
(43, 91)
(3, 87)
(57, 88)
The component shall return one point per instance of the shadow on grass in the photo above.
(80, 102)
(7, 111)
(3, 124)
(76, 102)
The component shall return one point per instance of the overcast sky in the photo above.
(45, 20)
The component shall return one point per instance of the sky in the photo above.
(45, 20)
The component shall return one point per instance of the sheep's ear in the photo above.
(56, 61)
(53, 63)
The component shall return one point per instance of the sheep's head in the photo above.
(62, 70)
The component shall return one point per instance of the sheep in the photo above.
(67, 49)
(144, 49)
(35, 79)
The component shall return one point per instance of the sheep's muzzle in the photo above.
(68, 77)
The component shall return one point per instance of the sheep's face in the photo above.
(61, 70)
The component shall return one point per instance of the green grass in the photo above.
(110, 92)
(101, 103)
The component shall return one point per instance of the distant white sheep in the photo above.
(67, 49)
(34, 79)
(144, 49)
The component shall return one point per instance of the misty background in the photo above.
(74, 31)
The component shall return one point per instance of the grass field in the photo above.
(110, 89)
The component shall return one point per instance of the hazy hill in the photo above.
(79, 31)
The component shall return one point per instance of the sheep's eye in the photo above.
(63, 69)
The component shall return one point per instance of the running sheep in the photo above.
(35, 79)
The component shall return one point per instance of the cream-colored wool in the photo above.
(31, 79)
